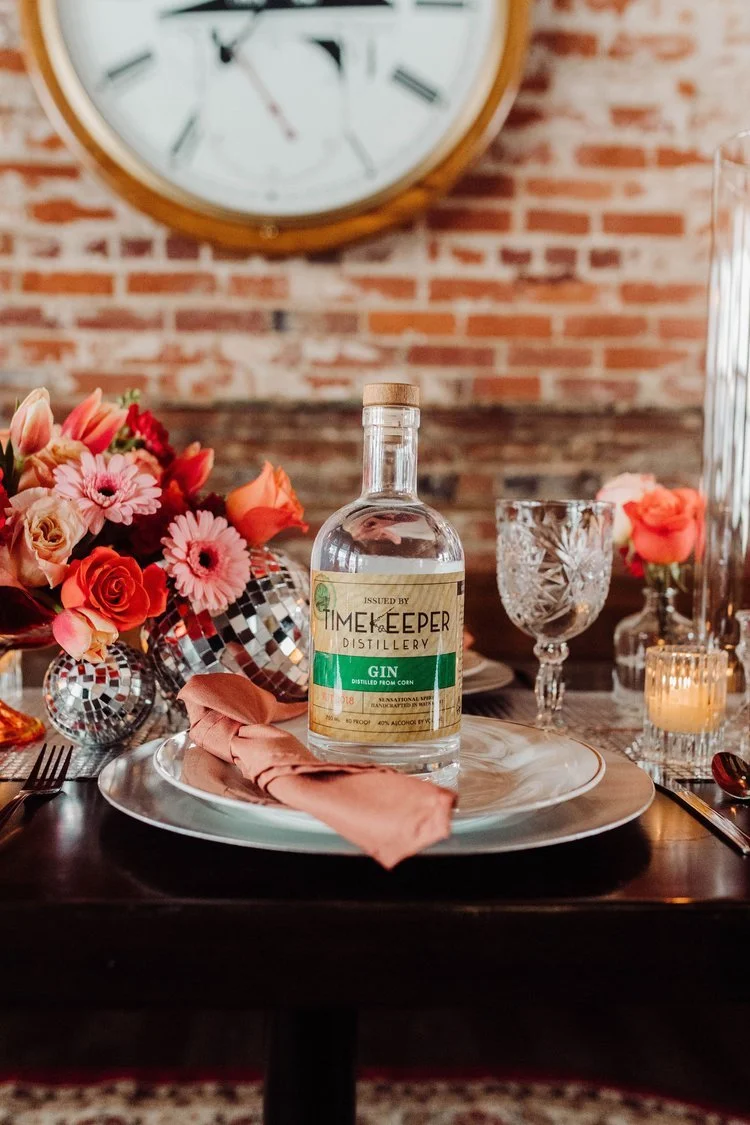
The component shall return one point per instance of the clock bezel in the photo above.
(79, 121)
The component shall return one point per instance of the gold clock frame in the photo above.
(100, 148)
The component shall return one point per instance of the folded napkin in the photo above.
(386, 813)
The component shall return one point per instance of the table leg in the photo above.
(310, 1067)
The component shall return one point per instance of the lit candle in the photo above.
(686, 689)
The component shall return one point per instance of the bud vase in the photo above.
(658, 623)
(262, 635)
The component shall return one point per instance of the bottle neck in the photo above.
(390, 451)
(653, 597)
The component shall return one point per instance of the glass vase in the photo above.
(723, 563)
(658, 623)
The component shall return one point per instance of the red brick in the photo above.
(536, 82)
(635, 116)
(547, 355)
(431, 355)
(21, 316)
(568, 42)
(497, 186)
(635, 223)
(611, 156)
(665, 48)
(561, 290)
(662, 293)
(68, 284)
(470, 288)
(506, 388)
(558, 222)
(521, 116)
(33, 174)
(99, 247)
(421, 323)
(263, 287)
(599, 392)
(136, 247)
(88, 381)
(47, 350)
(479, 220)
(12, 60)
(677, 157)
(182, 249)
(683, 328)
(511, 257)
(67, 211)
(467, 255)
(633, 358)
(110, 319)
(514, 326)
(550, 187)
(398, 288)
(604, 259)
(220, 320)
(604, 325)
(187, 282)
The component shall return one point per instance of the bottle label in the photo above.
(387, 656)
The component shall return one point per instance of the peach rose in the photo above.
(31, 425)
(45, 529)
(665, 524)
(39, 469)
(84, 634)
(115, 587)
(146, 463)
(621, 490)
(264, 507)
(94, 422)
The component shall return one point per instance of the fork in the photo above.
(45, 780)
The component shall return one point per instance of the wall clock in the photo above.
(283, 126)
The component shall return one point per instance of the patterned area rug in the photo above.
(130, 1102)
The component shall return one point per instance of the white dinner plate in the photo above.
(131, 784)
(507, 769)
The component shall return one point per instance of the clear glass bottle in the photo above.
(387, 611)
(658, 623)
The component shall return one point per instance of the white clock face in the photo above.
(283, 107)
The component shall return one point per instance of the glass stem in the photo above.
(550, 687)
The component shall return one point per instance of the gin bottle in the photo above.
(387, 611)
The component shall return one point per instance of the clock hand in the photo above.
(228, 53)
(269, 5)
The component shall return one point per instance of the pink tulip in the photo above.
(31, 425)
(84, 633)
(94, 422)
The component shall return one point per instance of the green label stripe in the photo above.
(384, 674)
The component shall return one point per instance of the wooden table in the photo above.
(99, 911)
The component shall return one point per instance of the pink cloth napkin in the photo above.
(387, 814)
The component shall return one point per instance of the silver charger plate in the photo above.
(507, 769)
(489, 675)
(132, 785)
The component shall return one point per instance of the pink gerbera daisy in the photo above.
(107, 489)
(207, 559)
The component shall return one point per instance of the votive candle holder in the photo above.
(685, 707)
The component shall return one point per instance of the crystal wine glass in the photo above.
(554, 563)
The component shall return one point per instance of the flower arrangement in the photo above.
(657, 529)
(99, 513)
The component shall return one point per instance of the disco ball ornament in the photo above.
(264, 635)
(100, 705)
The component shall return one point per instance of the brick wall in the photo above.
(566, 272)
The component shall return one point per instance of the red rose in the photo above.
(114, 586)
(191, 469)
(666, 524)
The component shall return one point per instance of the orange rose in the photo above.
(665, 524)
(115, 587)
(264, 507)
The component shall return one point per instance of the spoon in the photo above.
(732, 774)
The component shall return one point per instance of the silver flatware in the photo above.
(46, 779)
(732, 774)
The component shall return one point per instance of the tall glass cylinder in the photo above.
(720, 580)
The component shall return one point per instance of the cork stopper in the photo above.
(390, 394)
